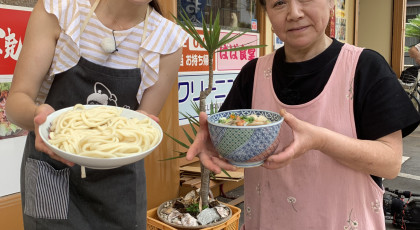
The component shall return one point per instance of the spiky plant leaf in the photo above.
(181, 155)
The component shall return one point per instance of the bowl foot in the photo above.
(246, 164)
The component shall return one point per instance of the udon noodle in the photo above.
(101, 132)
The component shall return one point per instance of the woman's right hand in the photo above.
(40, 115)
(204, 149)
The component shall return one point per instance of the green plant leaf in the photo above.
(187, 25)
(190, 139)
(178, 141)
(181, 155)
(226, 39)
(216, 32)
(225, 172)
(206, 34)
(190, 119)
(195, 107)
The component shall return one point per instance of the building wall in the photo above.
(27, 3)
(375, 26)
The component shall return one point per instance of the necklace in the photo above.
(109, 44)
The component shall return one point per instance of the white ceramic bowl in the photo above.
(98, 163)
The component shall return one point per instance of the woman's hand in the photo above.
(305, 138)
(41, 114)
(204, 149)
(153, 117)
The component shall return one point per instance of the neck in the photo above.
(120, 14)
(307, 53)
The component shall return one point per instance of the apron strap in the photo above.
(92, 9)
(146, 22)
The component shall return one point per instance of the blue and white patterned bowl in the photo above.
(245, 146)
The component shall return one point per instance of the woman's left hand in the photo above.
(153, 117)
(305, 138)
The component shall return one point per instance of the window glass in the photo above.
(233, 14)
(413, 9)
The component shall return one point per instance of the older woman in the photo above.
(345, 115)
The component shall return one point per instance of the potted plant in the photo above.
(211, 42)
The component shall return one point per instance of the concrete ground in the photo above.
(408, 179)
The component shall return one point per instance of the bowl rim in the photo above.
(55, 114)
(245, 127)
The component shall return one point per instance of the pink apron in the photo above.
(313, 191)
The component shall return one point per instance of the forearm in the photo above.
(380, 157)
(155, 96)
(32, 66)
(20, 110)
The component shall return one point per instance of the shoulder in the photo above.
(381, 105)
(165, 36)
(66, 11)
(371, 63)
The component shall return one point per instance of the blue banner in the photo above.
(194, 9)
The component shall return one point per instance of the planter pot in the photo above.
(154, 223)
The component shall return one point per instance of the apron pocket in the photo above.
(46, 190)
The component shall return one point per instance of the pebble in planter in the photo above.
(184, 213)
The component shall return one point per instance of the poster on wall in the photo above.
(7, 129)
(340, 20)
(193, 76)
(194, 9)
(13, 21)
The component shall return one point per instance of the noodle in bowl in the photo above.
(100, 137)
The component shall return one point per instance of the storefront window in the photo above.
(239, 14)
(413, 9)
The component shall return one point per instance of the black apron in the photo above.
(54, 196)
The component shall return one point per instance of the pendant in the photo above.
(108, 44)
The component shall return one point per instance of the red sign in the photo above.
(195, 57)
(13, 21)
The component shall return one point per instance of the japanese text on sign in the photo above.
(13, 21)
(195, 57)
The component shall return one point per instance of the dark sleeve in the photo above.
(240, 95)
(381, 105)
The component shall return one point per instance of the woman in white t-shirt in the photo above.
(111, 52)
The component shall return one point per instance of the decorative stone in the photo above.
(189, 221)
(178, 205)
(174, 217)
(168, 210)
(207, 216)
(214, 203)
(222, 211)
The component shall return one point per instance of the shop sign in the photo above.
(234, 60)
(193, 76)
(195, 57)
(194, 9)
(13, 21)
(254, 25)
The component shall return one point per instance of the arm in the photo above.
(33, 64)
(154, 97)
(381, 157)
(414, 54)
